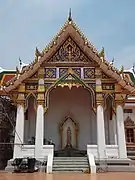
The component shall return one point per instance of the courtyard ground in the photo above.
(67, 176)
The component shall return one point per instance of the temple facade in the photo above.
(70, 96)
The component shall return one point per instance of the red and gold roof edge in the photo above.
(88, 48)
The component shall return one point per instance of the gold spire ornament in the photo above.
(38, 54)
(121, 70)
(102, 53)
(70, 15)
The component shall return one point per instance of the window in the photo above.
(127, 110)
(130, 135)
(129, 130)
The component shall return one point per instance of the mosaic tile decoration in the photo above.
(77, 71)
(62, 71)
(50, 72)
(89, 73)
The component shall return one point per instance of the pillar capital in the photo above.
(21, 88)
(99, 99)
(21, 99)
(120, 99)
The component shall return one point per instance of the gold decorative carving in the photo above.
(41, 73)
(21, 99)
(69, 85)
(41, 97)
(120, 99)
(31, 86)
(70, 52)
(98, 73)
(41, 88)
(98, 88)
(99, 99)
(21, 88)
(108, 86)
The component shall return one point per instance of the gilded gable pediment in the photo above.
(70, 52)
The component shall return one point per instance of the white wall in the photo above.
(75, 103)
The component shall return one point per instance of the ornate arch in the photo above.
(76, 127)
(70, 79)
(27, 99)
(129, 131)
(129, 122)
(108, 95)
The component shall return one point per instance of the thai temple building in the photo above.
(71, 101)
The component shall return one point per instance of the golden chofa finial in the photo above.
(20, 61)
(70, 15)
(102, 53)
(121, 71)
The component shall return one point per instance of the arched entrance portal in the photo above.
(70, 120)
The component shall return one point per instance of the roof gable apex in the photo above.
(70, 29)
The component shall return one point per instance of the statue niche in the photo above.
(68, 133)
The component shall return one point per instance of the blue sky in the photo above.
(25, 24)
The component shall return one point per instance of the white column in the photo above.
(121, 132)
(100, 132)
(115, 130)
(19, 132)
(39, 132)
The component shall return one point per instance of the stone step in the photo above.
(121, 168)
(70, 158)
(70, 162)
(113, 162)
(65, 169)
(71, 166)
(131, 157)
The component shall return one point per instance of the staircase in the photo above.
(70, 164)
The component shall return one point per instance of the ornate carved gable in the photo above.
(129, 122)
(70, 52)
(70, 46)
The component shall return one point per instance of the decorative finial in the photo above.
(111, 63)
(20, 61)
(102, 53)
(113, 60)
(133, 68)
(70, 15)
(121, 71)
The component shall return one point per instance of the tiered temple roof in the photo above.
(9, 80)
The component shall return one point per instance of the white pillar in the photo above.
(39, 132)
(121, 132)
(19, 132)
(115, 130)
(100, 132)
